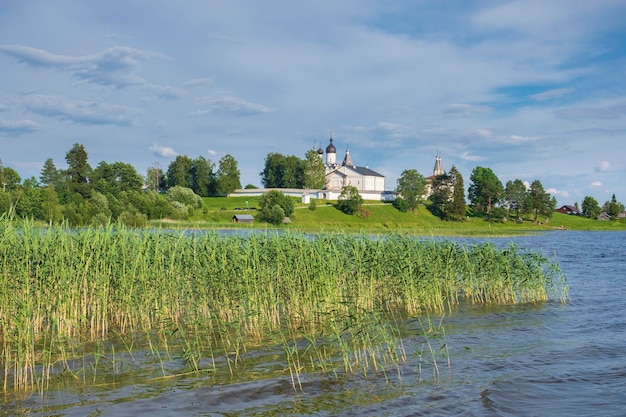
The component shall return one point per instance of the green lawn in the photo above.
(383, 218)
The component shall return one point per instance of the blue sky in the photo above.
(531, 89)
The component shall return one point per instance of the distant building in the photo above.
(437, 171)
(369, 183)
(567, 209)
(243, 218)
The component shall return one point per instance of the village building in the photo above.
(569, 209)
(369, 183)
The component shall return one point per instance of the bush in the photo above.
(273, 215)
(349, 200)
(400, 204)
(185, 196)
(275, 197)
(312, 205)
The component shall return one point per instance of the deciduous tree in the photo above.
(411, 187)
(485, 190)
(228, 175)
(349, 200)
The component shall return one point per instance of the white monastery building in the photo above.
(369, 183)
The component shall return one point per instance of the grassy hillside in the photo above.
(383, 218)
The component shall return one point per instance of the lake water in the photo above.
(546, 359)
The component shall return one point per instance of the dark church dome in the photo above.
(331, 148)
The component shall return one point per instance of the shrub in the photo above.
(273, 215)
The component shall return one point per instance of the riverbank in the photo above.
(377, 218)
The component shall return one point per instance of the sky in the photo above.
(532, 89)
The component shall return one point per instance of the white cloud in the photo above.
(17, 127)
(467, 110)
(547, 95)
(211, 152)
(230, 104)
(83, 112)
(596, 184)
(163, 151)
(555, 192)
(467, 157)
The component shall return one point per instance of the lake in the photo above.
(544, 359)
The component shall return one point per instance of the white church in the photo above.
(369, 183)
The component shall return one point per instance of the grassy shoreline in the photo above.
(383, 219)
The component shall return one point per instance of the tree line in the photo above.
(82, 195)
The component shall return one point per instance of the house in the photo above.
(243, 218)
(604, 216)
(567, 209)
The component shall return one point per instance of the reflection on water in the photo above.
(527, 360)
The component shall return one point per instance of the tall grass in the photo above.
(69, 299)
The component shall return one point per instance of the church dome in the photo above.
(320, 151)
(331, 148)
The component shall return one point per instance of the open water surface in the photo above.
(546, 359)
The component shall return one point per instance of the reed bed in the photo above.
(73, 303)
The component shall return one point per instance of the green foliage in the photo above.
(314, 170)
(49, 173)
(313, 205)
(78, 170)
(203, 181)
(349, 200)
(538, 201)
(590, 207)
(9, 178)
(282, 171)
(613, 207)
(272, 214)
(228, 175)
(411, 186)
(400, 204)
(448, 198)
(516, 195)
(206, 297)
(179, 173)
(276, 197)
(185, 196)
(485, 190)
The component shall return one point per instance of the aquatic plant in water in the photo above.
(79, 305)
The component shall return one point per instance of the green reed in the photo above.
(332, 301)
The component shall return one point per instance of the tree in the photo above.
(112, 179)
(539, 201)
(9, 178)
(282, 171)
(590, 207)
(349, 200)
(613, 207)
(276, 197)
(51, 208)
(515, 194)
(179, 172)
(485, 190)
(78, 170)
(273, 215)
(185, 196)
(411, 187)
(457, 207)
(314, 170)
(155, 178)
(228, 175)
(203, 179)
(49, 173)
